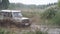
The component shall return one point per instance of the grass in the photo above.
(36, 32)
(5, 31)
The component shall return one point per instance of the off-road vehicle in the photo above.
(13, 17)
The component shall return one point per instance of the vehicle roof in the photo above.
(10, 11)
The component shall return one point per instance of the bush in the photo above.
(49, 13)
(56, 19)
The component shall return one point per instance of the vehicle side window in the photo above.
(7, 14)
(17, 14)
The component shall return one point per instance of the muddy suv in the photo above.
(13, 17)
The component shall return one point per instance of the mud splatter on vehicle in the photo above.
(13, 17)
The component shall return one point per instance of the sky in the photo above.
(37, 2)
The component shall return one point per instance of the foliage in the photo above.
(59, 3)
(23, 6)
(4, 4)
(49, 13)
(36, 32)
(4, 31)
(56, 19)
(53, 14)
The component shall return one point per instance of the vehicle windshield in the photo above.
(17, 14)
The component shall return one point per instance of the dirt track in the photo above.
(45, 28)
(42, 28)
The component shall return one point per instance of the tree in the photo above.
(4, 4)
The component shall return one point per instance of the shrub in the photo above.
(56, 19)
(49, 13)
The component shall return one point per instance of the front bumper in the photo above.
(26, 24)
